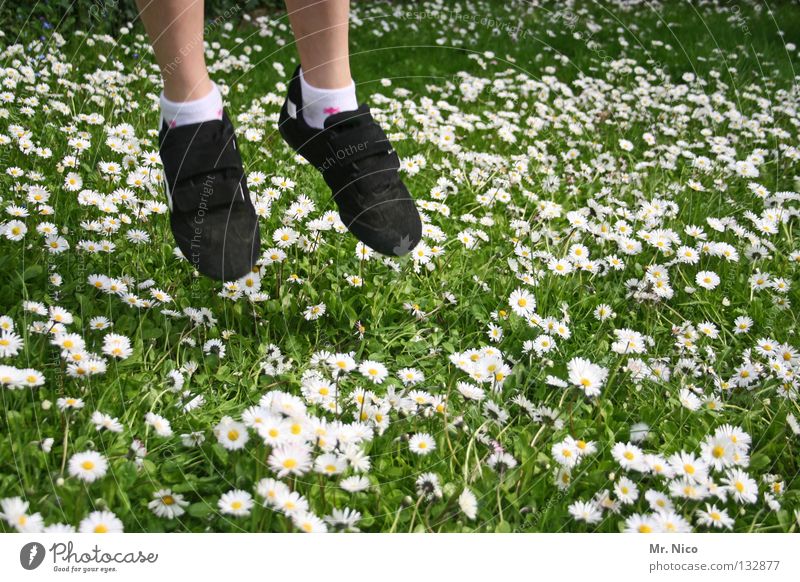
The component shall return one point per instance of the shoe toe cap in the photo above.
(392, 229)
(221, 249)
(233, 250)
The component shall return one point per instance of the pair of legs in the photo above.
(175, 28)
(212, 213)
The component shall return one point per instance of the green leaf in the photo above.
(220, 452)
(32, 272)
(759, 461)
(171, 472)
(152, 333)
(125, 474)
(200, 509)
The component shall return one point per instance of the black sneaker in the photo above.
(360, 167)
(211, 214)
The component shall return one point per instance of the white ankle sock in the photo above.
(320, 103)
(177, 113)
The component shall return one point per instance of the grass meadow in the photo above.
(597, 333)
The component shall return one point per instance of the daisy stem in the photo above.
(536, 436)
(321, 489)
(755, 520)
(571, 422)
(336, 393)
(499, 504)
(64, 443)
(426, 516)
(396, 519)
(414, 515)
(469, 448)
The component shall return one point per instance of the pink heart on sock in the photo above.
(173, 123)
(219, 113)
(331, 110)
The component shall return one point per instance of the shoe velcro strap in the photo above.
(200, 159)
(215, 191)
(354, 145)
(340, 178)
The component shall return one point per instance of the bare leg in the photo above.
(321, 31)
(373, 202)
(175, 28)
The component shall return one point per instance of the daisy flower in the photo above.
(658, 501)
(543, 344)
(495, 332)
(271, 490)
(565, 453)
(603, 312)
(428, 486)
(671, 522)
(587, 511)
(103, 421)
(69, 403)
(629, 456)
(468, 503)
(560, 266)
(689, 399)
(626, 491)
(88, 466)
(290, 459)
(714, 517)
(586, 375)
(743, 488)
(231, 434)
(583, 447)
(707, 279)
(687, 465)
(215, 346)
(290, 502)
(421, 443)
(343, 519)
(374, 371)
(313, 312)
(309, 523)
(59, 528)
(236, 502)
(329, 464)
(100, 522)
(410, 376)
(99, 323)
(522, 303)
(167, 504)
(341, 363)
(355, 484)
(639, 523)
(719, 452)
(15, 513)
(501, 462)
(10, 343)
(117, 346)
(639, 432)
(160, 424)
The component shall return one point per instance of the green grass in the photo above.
(430, 57)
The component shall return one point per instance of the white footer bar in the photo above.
(353, 557)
